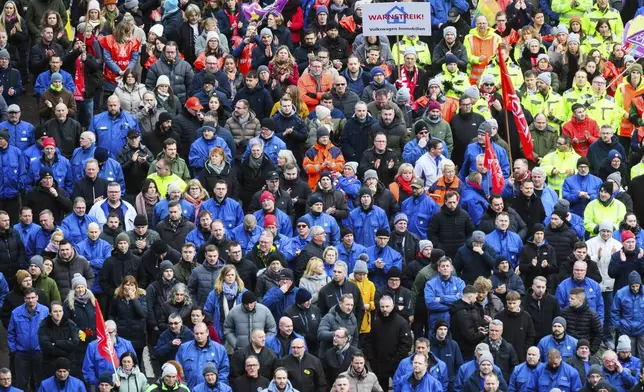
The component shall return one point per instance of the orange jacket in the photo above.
(316, 156)
(200, 62)
(577, 130)
(306, 84)
(442, 188)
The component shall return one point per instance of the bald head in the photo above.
(286, 326)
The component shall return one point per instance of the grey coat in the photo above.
(331, 322)
(180, 74)
(364, 382)
(239, 323)
(63, 272)
(202, 281)
(313, 284)
(135, 382)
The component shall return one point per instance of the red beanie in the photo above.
(266, 195)
(627, 235)
(271, 220)
(49, 141)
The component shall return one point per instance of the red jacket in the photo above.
(577, 130)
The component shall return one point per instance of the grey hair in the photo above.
(79, 199)
(91, 160)
(256, 142)
(386, 298)
(315, 230)
(89, 135)
(497, 322)
(267, 233)
(342, 265)
(111, 324)
(539, 170)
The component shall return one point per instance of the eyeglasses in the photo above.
(252, 365)
(340, 84)
(301, 226)
(423, 133)
(488, 84)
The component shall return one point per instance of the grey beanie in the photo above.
(545, 77)
(56, 77)
(616, 177)
(478, 236)
(38, 261)
(403, 95)
(574, 38)
(352, 165)
(487, 356)
(266, 31)
(472, 92)
(623, 344)
(424, 244)
(209, 368)
(560, 320)
(165, 264)
(4, 54)
(606, 225)
(360, 267)
(370, 174)
(78, 279)
(449, 29)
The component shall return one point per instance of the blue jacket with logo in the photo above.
(426, 384)
(466, 371)
(21, 135)
(38, 242)
(229, 211)
(75, 227)
(274, 343)
(43, 81)
(566, 346)
(284, 225)
(351, 256)
(365, 224)
(566, 378)
(622, 382)
(419, 211)
(160, 211)
(61, 168)
(449, 291)
(474, 202)
(328, 223)
(412, 152)
(112, 171)
(111, 132)
(438, 371)
(390, 258)
(627, 312)
(475, 149)
(96, 252)
(22, 333)
(593, 294)
(72, 384)
(79, 157)
(241, 235)
(277, 301)
(506, 244)
(523, 376)
(577, 183)
(13, 172)
(193, 359)
(94, 364)
(200, 150)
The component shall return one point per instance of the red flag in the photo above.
(492, 164)
(512, 103)
(105, 344)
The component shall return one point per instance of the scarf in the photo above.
(254, 163)
(10, 20)
(230, 291)
(410, 82)
(474, 185)
(89, 43)
(216, 168)
(174, 226)
(338, 9)
(282, 68)
(82, 299)
(272, 275)
(404, 185)
(162, 96)
(242, 120)
(56, 89)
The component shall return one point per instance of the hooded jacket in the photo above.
(626, 312)
(465, 322)
(179, 72)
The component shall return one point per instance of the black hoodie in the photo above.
(388, 343)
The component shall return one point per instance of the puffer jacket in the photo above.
(186, 126)
(214, 308)
(129, 316)
(469, 265)
(64, 271)
(240, 322)
(331, 322)
(243, 132)
(363, 382)
(396, 132)
(562, 240)
(180, 74)
(202, 280)
(135, 381)
(448, 230)
(352, 140)
(593, 294)
(117, 267)
(156, 295)
(583, 323)
(130, 97)
(316, 156)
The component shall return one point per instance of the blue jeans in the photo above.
(608, 324)
(85, 111)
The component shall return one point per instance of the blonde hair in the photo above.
(288, 156)
(194, 182)
(192, 9)
(311, 266)
(3, 17)
(482, 284)
(405, 167)
(219, 282)
(57, 235)
(330, 249)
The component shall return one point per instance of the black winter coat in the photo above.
(386, 200)
(306, 374)
(329, 294)
(448, 230)
(406, 244)
(401, 297)
(592, 270)
(156, 295)
(251, 180)
(530, 209)
(40, 199)
(57, 341)
(635, 190)
(473, 383)
(518, 330)
(306, 322)
(38, 58)
(385, 174)
(468, 125)
(149, 270)
(259, 99)
(469, 265)
(117, 267)
(90, 190)
(388, 343)
(353, 142)
(267, 361)
(310, 250)
(335, 363)
(517, 224)
(332, 198)
(185, 125)
(301, 190)
(465, 320)
(247, 271)
(175, 239)
(584, 323)
(12, 255)
(541, 311)
(542, 252)
(580, 365)
(187, 41)
(129, 316)
(562, 240)
(154, 140)
(208, 178)
(505, 357)
(283, 202)
(134, 172)
(66, 134)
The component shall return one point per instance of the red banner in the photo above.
(105, 344)
(492, 164)
(512, 103)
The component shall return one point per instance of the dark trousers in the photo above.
(12, 207)
(27, 369)
(383, 380)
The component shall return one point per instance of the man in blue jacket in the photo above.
(473, 199)
(442, 291)
(82, 154)
(26, 228)
(382, 258)
(109, 168)
(111, 127)
(447, 350)
(317, 217)
(272, 144)
(21, 133)
(419, 209)
(22, 337)
(556, 374)
(223, 207)
(581, 188)
(470, 367)
(167, 347)
(43, 81)
(365, 219)
(564, 344)
(524, 374)
(75, 224)
(440, 11)
(94, 364)
(615, 374)
(96, 251)
(420, 378)
(195, 354)
(437, 367)
(280, 343)
(60, 166)
(579, 279)
(277, 299)
(478, 147)
(285, 227)
(504, 242)
(546, 194)
(200, 148)
(626, 313)
(61, 380)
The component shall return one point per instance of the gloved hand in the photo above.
(312, 95)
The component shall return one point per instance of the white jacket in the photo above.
(596, 243)
(100, 211)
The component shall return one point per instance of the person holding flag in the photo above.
(479, 147)
(103, 354)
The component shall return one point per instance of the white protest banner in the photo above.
(396, 19)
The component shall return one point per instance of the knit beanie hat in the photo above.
(248, 297)
(209, 368)
(38, 261)
(486, 357)
(424, 244)
(560, 320)
(360, 267)
(165, 265)
(623, 344)
(122, 237)
(78, 279)
(22, 275)
(168, 370)
(302, 296)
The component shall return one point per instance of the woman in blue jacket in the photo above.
(227, 293)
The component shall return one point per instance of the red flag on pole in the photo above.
(492, 164)
(512, 103)
(105, 344)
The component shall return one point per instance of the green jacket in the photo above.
(441, 130)
(183, 270)
(566, 11)
(544, 142)
(596, 212)
(48, 285)
(179, 167)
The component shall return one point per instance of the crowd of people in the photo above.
(265, 199)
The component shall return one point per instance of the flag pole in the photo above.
(507, 126)
(399, 49)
